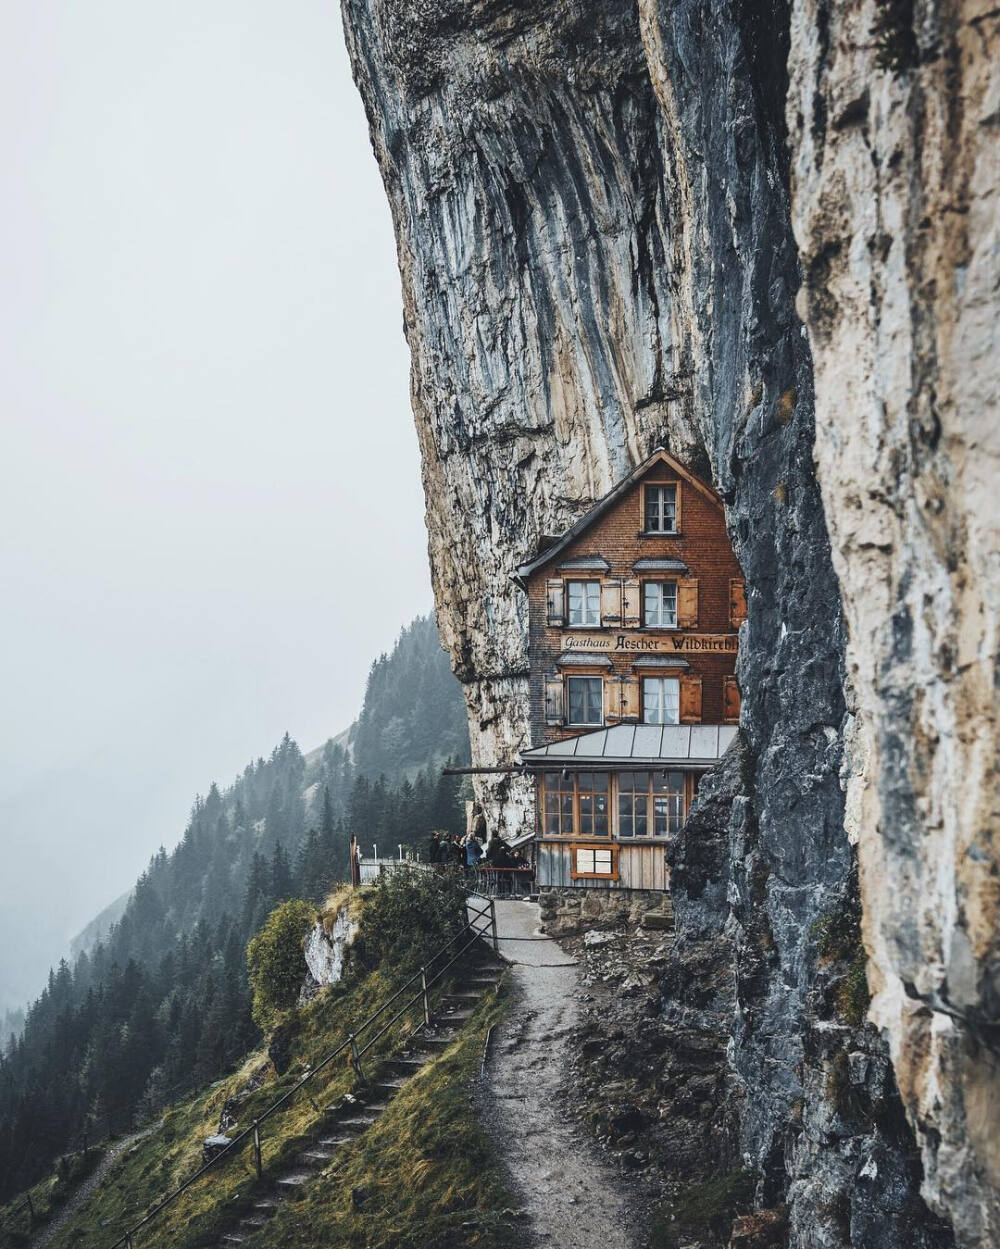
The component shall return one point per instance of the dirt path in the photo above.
(95, 1178)
(575, 1201)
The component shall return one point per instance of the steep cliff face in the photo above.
(896, 170)
(594, 225)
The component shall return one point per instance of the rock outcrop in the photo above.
(602, 220)
(896, 171)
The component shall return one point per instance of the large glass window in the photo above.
(668, 803)
(576, 804)
(586, 700)
(584, 598)
(650, 804)
(661, 509)
(659, 604)
(661, 700)
(592, 794)
(633, 804)
(557, 819)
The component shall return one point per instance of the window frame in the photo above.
(685, 792)
(584, 582)
(568, 703)
(643, 678)
(609, 846)
(570, 786)
(661, 582)
(661, 485)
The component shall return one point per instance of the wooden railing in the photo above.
(483, 922)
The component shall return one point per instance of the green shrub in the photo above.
(852, 992)
(410, 914)
(276, 962)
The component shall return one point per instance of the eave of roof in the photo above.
(660, 455)
(654, 745)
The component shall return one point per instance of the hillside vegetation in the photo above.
(162, 1003)
(425, 1177)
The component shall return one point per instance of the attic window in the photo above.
(661, 509)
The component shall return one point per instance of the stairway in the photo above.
(351, 1118)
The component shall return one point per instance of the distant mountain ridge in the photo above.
(158, 1001)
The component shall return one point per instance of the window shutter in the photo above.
(554, 713)
(611, 602)
(690, 700)
(555, 599)
(631, 603)
(630, 699)
(687, 603)
(737, 601)
(731, 700)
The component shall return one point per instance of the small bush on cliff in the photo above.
(276, 963)
(410, 914)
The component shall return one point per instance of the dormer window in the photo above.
(584, 602)
(659, 604)
(661, 509)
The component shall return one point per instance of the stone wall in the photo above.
(568, 912)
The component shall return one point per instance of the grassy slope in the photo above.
(427, 1151)
(423, 1177)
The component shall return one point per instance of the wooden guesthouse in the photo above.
(633, 630)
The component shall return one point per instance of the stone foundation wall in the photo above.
(567, 912)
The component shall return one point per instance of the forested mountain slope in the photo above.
(161, 1002)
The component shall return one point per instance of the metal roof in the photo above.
(649, 564)
(583, 659)
(638, 743)
(549, 553)
(597, 563)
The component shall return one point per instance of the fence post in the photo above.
(493, 922)
(356, 1059)
(256, 1149)
(423, 986)
(128, 1240)
(31, 1211)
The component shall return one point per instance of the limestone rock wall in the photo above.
(594, 218)
(894, 121)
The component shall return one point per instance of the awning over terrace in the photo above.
(698, 745)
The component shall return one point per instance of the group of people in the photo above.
(470, 853)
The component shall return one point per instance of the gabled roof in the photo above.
(657, 745)
(659, 456)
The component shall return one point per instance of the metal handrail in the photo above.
(350, 1043)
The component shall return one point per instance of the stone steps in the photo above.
(352, 1120)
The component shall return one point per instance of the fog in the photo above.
(209, 480)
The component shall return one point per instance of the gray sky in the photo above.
(210, 507)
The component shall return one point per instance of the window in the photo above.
(633, 803)
(659, 604)
(661, 509)
(557, 819)
(668, 803)
(586, 699)
(650, 804)
(661, 700)
(593, 861)
(592, 793)
(576, 804)
(584, 602)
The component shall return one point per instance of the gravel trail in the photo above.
(574, 1199)
(96, 1177)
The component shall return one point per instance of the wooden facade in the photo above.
(634, 619)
